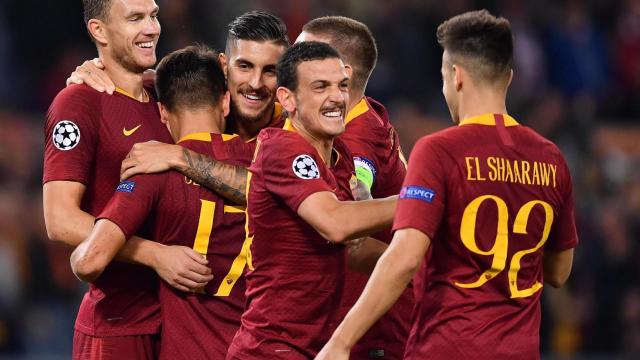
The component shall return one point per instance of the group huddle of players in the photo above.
(248, 230)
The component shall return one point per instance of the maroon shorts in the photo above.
(136, 347)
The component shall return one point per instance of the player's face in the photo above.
(251, 78)
(132, 33)
(449, 87)
(322, 96)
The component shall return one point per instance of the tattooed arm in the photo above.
(229, 181)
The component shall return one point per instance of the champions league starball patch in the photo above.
(305, 167)
(66, 135)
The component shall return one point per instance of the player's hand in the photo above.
(92, 73)
(182, 268)
(149, 158)
(332, 351)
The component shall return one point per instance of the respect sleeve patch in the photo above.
(417, 193)
(126, 186)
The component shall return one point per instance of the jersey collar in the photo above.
(360, 108)
(489, 119)
(200, 136)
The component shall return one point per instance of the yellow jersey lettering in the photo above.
(478, 176)
(525, 172)
(493, 173)
(469, 167)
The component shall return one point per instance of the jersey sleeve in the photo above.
(422, 197)
(235, 149)
(71, 136)
(291, 172)
(563, 234)
(131, 203)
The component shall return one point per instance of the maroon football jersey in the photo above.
(373, 142)
(87, 135)
(295, 277)
(492, 195)
(201, 325)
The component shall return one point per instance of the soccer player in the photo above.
(193, 102)
(489, 203)
(298, 198)
(379, 164)
(87, 134)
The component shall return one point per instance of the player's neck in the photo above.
(131, 83)
(487, 102)
(248, 129)
(355, 96)
(201, 120)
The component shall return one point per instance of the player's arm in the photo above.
(557, 266)
(229, 181)
(92, 73)
(67, 223)
(93, 255)
(363, 254)
(390, 277)
(339, 221)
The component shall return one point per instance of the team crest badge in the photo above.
(305, 167)
(66, 135)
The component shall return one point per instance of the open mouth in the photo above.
(253, 98)
(335, 113)
(145, 45)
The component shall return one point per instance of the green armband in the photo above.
(365, 171)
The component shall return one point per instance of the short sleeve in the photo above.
(70, 136)
(563, 234)
(422, 197)
(133, 200)
(291, 171)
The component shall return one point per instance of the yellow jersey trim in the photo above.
(200, 136)
(488, 119)
(357, 110)
(288, 125)
(125, 93)
(227, 137)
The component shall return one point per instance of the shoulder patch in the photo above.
(305, 167)
(126, 186)
(417, 193)
(66, 135)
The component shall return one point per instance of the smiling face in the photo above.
(131, 33)
(251, 78)
(321, 98)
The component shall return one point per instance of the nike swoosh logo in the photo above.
(130, 132)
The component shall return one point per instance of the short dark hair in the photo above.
(258, 26)
(190, 77)
(287, 68)
(95, 9)
(353, 40)
(481, 38)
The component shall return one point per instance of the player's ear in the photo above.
(349, 71)
(225, 100)
(510, 77)
(458, 76)
(223, 63)
(97, 30)
(164, 114)
(286, 99)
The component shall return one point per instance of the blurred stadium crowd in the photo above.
(577, 82)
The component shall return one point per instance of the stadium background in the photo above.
(577, 81)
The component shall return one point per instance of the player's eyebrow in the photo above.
(241, 61)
